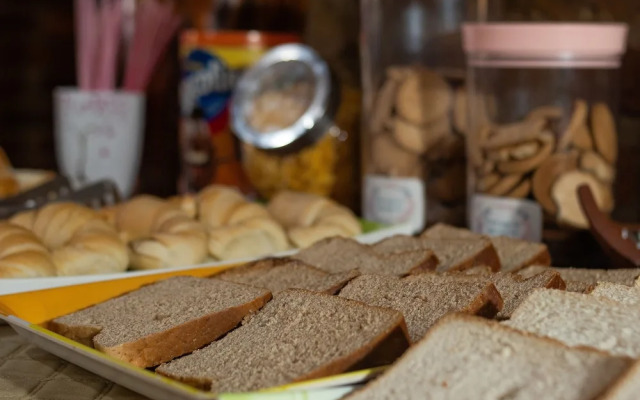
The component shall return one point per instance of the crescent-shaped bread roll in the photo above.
(251, 238)
(341, 217)
(215, 204)
(247, 211)
(308, 235)
(22, 254)
(295, 209)
(186, 203)
(135, 218)
(78, 240)
(236, 227)
(161, 235)
(310, 218)
(95, 248)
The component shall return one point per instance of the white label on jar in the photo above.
(395, 201)
(517, 218)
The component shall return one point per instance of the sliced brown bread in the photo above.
(514, 254)
(445, 231)
(629, 295)
(584, 279)
(578, 319)
(468, 358)
(514, 289)
(338, 254)
(425, 298)
(299, 335)
(164, 320)
(452, 254)
(278, 274)
(627, 387)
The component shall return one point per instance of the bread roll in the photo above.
(216, 203)
(160, 234)
(295, 209)
(22, 254)
(310, 218)
(238, 228)
(78, 240)
(186, 203)
(251, 238)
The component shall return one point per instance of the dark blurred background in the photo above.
(37, 55)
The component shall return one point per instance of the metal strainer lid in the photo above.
(286, 101)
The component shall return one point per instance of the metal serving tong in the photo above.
(620, 241)
(97, 195)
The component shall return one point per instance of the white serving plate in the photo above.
(12, 286)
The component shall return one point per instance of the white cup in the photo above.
(99, 135)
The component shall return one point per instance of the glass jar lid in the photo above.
(286, 101)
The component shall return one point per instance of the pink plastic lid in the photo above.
(569, 43)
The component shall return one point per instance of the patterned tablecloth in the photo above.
(27, 372)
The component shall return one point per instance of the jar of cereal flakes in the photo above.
(286, 112)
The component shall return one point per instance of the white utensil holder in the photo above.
(99, 135)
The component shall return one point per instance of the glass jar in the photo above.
(211, 63)
(414, 116)
(287, 113)
(542, 100)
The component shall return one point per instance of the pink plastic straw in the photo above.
(155, 26)
(110, 17)
(98, 36)
(86, 45)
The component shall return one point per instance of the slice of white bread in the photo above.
(580, 320)
(629, 295)
(299, 335)
(514, 254)
(584, 279)
(469, 358)
(627, 387)
(425, 298)
(452, 254)
(278, 274)
(163, 320)
(338, 254)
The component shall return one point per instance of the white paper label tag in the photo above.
(395, 201)
(516, 218)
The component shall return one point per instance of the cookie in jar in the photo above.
(553, 128)
(417, 132)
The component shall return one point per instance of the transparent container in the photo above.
(289, 113)
(542, 101)
(413, 132)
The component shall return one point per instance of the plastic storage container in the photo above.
(543, 100)
(413, 72)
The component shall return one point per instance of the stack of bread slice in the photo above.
(507, 330)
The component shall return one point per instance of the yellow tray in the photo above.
(27, 312)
